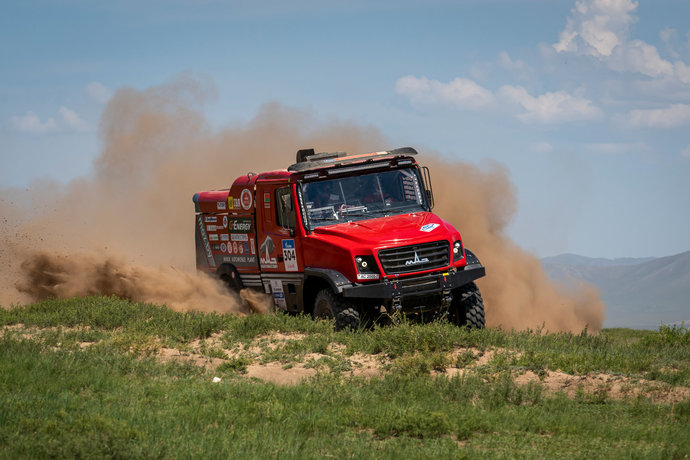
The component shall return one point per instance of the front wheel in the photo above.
(467, 308)
(328, 305)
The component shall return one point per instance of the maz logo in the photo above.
(417, 260)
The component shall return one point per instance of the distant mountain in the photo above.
(574, 259)
(639, 293)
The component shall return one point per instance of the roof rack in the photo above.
(307, 159)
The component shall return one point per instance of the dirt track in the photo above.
(257, 364)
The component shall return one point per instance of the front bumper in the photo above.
(416, 286)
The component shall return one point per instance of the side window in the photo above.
(284, 210)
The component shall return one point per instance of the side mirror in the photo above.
(429, 192)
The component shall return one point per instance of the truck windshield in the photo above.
(365, 196)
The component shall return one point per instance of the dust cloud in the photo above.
(480, 203)
(48, 275)
(122, 229)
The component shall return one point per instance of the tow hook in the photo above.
(447, 298)
(397, 305)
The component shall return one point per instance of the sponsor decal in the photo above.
(246, 199)
(224, 237)
(216, 247)
(225, 221)
(231, 203)
(220, 205)
(239, 261)
(251, 245)
(290, 255)
(239, 237)
(209, 219)
(210, 228)
(417, 260)
(367, 276)
(234, 247)
(246, 247)
(240, 247)
(278, 294)
(204, 240)
(223, 247)
(429, 227)
(213, 237)
(236, 203)
(267, 200)
(242, 225)
(266, 253)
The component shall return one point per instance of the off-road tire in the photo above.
(467, 308)
(328, 305)
(231, 282)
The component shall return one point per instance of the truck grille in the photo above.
(415, 258)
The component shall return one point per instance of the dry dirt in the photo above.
(207, 353)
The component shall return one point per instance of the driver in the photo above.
(324, 195)
(380, 192)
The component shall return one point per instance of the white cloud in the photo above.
(98, 92)
(517, 67)
(463, 93)
(596, 27)
(667, 34)
(72, 120)
(509, 64)
(682, 71)
(541, 147)
(460, 92)
(32, 124)
(670, 36)
(638, 56)
(613, 148)
(555, 107)
(601, 29)
(669, 117)
(685, 152)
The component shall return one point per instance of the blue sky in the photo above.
(586, 103)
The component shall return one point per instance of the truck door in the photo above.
(280, 251)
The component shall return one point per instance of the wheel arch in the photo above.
(316, 279)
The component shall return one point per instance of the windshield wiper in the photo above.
(378, 211)
(354, 213)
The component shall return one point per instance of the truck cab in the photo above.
(347, 237)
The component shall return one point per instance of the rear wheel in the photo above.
(467, 308)
(230, 277)
(232, 281)
(328, 305)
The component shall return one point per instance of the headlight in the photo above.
(366, 268)
(457, 251)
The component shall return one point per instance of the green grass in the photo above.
(84, 380)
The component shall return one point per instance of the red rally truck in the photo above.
(347, 237)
